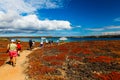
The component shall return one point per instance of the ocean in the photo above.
(69, 39)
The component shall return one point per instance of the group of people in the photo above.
(32, 43)
(14, 48)
(48, 42)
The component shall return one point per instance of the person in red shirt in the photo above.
(18, 47)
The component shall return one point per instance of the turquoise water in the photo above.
(69, 39)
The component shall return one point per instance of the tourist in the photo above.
(41, 43)
(33, 44)
(50, 42)
(57, 42)
(46, 42)
(12, 48)
(18, 47)
(30, 44)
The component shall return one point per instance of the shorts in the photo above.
(13, 53)
(19, 49)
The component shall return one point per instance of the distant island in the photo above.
(103, 36)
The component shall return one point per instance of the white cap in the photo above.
(12, 40)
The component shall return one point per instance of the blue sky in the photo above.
(59, 17)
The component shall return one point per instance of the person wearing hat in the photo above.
(12, 48)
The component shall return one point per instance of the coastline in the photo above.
(91, 36)
(55, 39)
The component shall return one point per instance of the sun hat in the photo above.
(12, 40)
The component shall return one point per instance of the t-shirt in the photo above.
(12, 47)
(18, 46)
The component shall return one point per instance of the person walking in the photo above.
(41, 43)
(12, 49)
(18, 47)
(30, 43)
(33, 44)
(57, 42)
(46, 44)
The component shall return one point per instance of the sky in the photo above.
(59, 17)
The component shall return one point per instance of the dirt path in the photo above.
(7, 72)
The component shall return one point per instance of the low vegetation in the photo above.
(91, 60)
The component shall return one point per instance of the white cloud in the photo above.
(95, 29)
(18, 6)
(45, 3)
(107, 30)
(31, 23)
(11, 19)
(78, 26)
(112, 27)
(111, 33)
(117, 19)
(27, 6)
(104, 28)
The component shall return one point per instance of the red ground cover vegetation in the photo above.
(3, 55)
(110, 76)
(87, 60)
(105, 59)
